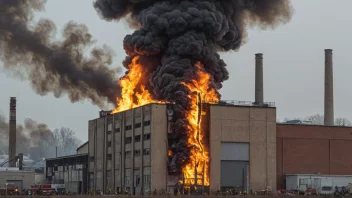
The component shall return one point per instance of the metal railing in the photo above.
(241, 103)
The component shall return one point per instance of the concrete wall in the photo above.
(159, 148)
(309, 149)
(124, 150)
(83, 149)
(245, 124)
(39, 178)
(27, 178)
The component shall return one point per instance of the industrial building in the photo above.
(17, 178)
(311, 149)
(248, 149)
(128, 150)
(69, 171)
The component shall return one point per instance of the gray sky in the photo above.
(293, 64)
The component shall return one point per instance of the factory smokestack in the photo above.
(12, 132)
(259, 93)
(329, 89)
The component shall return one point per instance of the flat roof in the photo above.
(313, 125)
(68, 156)
(321, 175)
(229, 103)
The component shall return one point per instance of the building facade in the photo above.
(312, 149)
(242, 147)
(17, 178)
(71, 171)
(128, 150)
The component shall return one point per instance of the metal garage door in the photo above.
(234, 161)
(235, 151)
(234, 174)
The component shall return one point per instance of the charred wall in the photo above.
(308, 149)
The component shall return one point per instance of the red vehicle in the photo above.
(44, 189)
(11, 190)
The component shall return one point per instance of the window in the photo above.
(109, 132)
(128, 127)
(146, 179)
(128, 154)
(117, 130)
(137, 138)
(128, 140)
(146, 123)
(127, 180)
(326, 188)
(146, 152)
(146, 137)
(138, 125)
(109, 157)
(109, 144)
(137, 153)
(138, 180)
(91, 159)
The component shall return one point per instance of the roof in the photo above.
(319, 175)
(68, 156)
(82, 146)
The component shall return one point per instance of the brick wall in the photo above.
(309, 149)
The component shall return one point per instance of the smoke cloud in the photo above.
(55, 66)
(38, 140)
(29, 135)
(182, 32)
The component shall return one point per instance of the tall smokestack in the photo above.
(329, 89)
(259, 93)
(12, 132)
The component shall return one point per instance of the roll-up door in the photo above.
(234, 163)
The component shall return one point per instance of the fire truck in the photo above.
(43, 189)
(10, 189)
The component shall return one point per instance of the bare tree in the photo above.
(343, 122)
(65, 141)
(318, 119)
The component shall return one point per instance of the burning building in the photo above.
(134, 150)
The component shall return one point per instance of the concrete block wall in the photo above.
(256, 126)
(117, 163)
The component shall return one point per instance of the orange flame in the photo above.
(169, 153)
(131, 95)
(197, 171)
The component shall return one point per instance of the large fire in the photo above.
(196, 172)
(134, 95)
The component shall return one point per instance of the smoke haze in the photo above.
(37, 136)
(55, 66)
(179, 33)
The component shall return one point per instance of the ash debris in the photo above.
(50, 65)
(182, 32)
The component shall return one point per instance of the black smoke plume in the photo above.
(54, 66)
(183, 32)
